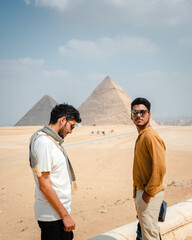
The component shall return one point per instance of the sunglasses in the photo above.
(136, 112)
(72, 126)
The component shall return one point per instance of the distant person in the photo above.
(148, 170)
(54, 174)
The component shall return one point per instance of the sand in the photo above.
(104, 176)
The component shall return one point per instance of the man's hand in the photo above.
(146, 197)
(68, 223)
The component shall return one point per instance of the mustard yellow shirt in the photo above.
(149, 165)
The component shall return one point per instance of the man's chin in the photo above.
(140, 124)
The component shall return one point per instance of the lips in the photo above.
(139, 120)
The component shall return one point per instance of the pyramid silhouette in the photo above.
(108, 104)
(39, 114)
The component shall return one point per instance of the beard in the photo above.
(144, 125)
(62, 132)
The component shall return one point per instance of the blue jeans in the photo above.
(54, 231)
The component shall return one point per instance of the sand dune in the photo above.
(104, 176)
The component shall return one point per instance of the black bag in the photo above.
(162, 213)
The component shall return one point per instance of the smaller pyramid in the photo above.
(39, 114)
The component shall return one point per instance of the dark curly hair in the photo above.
(66, 110)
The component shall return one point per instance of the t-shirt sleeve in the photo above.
(44, 157)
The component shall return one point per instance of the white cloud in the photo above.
(186, 41)
(27, 2)
(55, 4)
(168, 13)
(57, 74)
(22, 62)
(29, 70)
(108, 47)
(17, 68)
(30, 62)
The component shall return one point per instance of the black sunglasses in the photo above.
(72, 126)
(136, 112)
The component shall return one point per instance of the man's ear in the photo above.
(149, 114)
(62, 120)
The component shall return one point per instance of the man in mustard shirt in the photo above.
(148, 170)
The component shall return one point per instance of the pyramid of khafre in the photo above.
(39, 114)
(108, 104)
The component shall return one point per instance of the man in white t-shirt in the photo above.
(53, 187)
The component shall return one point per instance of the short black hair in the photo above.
(64, 110)
(143, 101)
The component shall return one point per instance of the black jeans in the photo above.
(54, 231)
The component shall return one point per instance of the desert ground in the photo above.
(103, 166)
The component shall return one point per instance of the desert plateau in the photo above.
(102, 157)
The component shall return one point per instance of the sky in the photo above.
(65, 48)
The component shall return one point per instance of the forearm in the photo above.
(154, 184)
(53, 199)
(156, 179)
(51, 196)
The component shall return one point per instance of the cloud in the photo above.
(21, 62)
(30, 62)
(167, 13)
(24, 81)
(27, 2)
(12, 69)
(31, 72)
(56, 74)
(108, 47)
(59, 5)
(186, 41)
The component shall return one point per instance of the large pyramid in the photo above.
(108, 104)
(39, 114)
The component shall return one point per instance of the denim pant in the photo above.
(54, 231)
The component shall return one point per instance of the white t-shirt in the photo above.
(51, 159)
